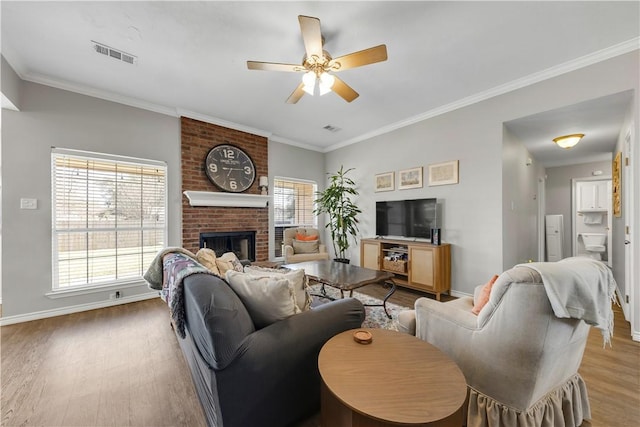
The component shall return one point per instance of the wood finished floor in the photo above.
(122, 366)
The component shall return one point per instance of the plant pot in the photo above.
(342, 260)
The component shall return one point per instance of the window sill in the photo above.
(84, 290)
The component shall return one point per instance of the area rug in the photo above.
(375, 316)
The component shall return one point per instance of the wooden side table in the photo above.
(397, 379)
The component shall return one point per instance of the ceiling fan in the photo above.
(317, 64)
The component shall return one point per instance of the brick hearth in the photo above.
(197, 139)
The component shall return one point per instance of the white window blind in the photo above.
(293, 202)
(109, 217)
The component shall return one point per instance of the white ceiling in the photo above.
(191, 58)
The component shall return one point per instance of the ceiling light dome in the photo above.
(568, 141)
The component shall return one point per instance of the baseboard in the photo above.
(459, 294)
(37, 315)
(623, 304)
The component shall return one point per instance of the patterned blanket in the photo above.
(176, 266)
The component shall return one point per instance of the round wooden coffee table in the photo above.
(396, 379)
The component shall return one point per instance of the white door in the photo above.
(554, 233)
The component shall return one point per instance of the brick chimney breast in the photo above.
(197, 138)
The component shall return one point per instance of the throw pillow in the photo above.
(297, 278)
(207, 257)
(228, 261)
(301, 247)
(306, 237)
(485, 293)
(267, 299)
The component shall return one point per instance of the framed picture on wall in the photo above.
(616, 185)
(443, 173)
(384, 181)
(410, 178)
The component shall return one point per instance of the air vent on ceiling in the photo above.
(114, 53)
(333, 129)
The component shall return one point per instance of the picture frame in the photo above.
(444, 173)
(616, 168)
(410, 178)
(384, 182)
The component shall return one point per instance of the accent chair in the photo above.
(306, 249)
(519, 358)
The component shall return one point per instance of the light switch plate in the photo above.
(28, 203)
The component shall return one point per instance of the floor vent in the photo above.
(114, 53)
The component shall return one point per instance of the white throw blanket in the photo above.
(580, 288)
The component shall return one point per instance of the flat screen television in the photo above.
(407, 218)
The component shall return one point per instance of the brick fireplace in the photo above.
(197, 139)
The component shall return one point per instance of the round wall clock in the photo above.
(230, 168)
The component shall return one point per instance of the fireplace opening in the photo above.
(242, 243)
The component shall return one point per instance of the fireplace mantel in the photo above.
(211, 198)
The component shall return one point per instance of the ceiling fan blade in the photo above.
(273, 66)
(296, 94)
(363, 57)
(311, 35)
(344, 90)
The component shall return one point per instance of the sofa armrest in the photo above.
(322, 248)
(276, 367)
(304, 331)
(288, 251)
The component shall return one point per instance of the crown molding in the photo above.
(282, 140)
(100, 94)
(220, 122)
(566, 67)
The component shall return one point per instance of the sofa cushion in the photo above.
(483, 297)
(297, 278)
(306, 238)
(228, 261)
(304, 247)
(216, 319)
(268, 299)
(207, 257)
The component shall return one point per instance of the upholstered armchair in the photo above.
(303, 244)
(519, 358)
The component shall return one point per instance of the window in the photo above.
(292, 207)
(109, 217)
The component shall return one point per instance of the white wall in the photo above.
(53, 117)
(473, 209)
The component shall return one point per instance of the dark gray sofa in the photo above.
(252, 378)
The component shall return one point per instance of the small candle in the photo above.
(264, 181)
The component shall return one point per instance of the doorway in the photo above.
(591, 218)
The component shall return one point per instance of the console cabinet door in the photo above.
(421, 268)
(370, 254)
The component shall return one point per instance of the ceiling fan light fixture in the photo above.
(326, 83)
(568, 141)
(309, 82)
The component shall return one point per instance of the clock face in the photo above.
(230, 168)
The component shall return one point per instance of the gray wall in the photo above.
(519, 203)
(473, 209)
(558, 193)
(11, 83)
(293, 162)
(53, 117)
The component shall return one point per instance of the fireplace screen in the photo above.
(242, 243)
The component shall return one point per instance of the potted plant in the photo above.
(336, 202)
